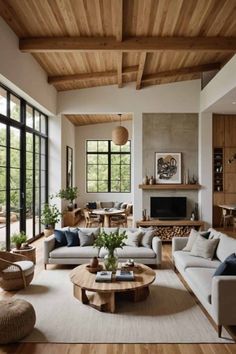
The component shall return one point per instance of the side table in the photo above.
(30, 253)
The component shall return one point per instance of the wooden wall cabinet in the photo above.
(71, 218)
(224, 174)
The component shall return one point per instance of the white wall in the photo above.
(96, 131)
(21, 73)
(205, 167)
(54, 158)
(219, 86)
(181, 97)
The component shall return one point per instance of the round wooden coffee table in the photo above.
(103, 294)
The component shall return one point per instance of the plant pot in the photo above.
(18, 246)
(70, 207)
(48, 232)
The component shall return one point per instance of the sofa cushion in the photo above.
(89, 230)
(108, 230)
(214, 233)
(192, 238)
(60, 238)
(228, 267)
(146, 240)
(202, 280)
(130, 252)
(186, 260)
(107, 205)
(92, 205)
(86, 239)
(117, 205)
(74, 252)
(203, 247)
(72, 238)
(226, 246)
(13, 272)
(133, 238)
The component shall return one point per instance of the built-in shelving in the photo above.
(170, 186)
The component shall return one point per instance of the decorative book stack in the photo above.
(124, 275)
(103, 277)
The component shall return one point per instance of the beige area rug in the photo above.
(168, 315)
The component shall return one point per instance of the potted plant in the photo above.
(18, 239)
(50, 215)
(70, 194)
(110, 242)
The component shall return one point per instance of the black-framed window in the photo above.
(23, 166)
(108, 167)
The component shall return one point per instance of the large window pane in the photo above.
(29, 142)
(2, 178)
(15, 178)
(15, 138)
(3, 101)
(43, 124)
(108, 165)
(15, 108)
(29, 160)
(2, 134)
(29, 116)
(15, 158)
(2, 220)
(2, 155)
(36, 120)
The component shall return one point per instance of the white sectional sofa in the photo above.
(216, 293)
(81, 255)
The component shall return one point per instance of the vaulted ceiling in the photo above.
(87, 43)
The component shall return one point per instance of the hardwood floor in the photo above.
(49, 348)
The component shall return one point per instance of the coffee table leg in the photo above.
(103, 301)
(140, 294)
(80, 294)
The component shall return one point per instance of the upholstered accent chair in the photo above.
(16, 271)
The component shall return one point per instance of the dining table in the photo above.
(107, 213)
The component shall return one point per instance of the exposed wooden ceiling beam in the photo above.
(181, 71)
(119, 34)
(60, 79)
(140, 70)
(118, 10)
(119, 69)
(136, 44)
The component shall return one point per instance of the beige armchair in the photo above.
(16, 271)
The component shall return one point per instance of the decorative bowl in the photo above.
(94, 269)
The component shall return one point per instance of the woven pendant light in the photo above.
(120, 134)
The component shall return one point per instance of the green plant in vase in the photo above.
(110, 242)
(70, 194)
(18, 239)
(50, 215)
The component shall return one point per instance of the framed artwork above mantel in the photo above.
(168, 167)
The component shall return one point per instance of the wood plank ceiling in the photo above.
(87, 43)
(87, 119)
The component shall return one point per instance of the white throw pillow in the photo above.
(191, 239)
(204, 247)
(133, 238)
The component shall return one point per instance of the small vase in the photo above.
(70, 207)
(18, 246)
(94, 262)
(111, 261)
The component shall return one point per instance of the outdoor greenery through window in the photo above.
(108, 167)
(23, 167)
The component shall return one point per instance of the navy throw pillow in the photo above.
(228, 267)
(60, 238)
(72, 238)
(92, 205)
(205, 234)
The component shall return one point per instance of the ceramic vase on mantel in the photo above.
(111, 261)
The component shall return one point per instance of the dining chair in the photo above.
(122, 219)
(226, 219)
(91, 219)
